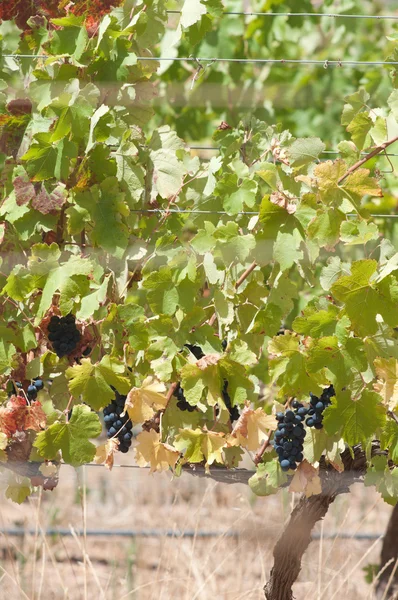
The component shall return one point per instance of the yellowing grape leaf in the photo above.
(106, 452)
(306, 480)
(252, 427)
(201, 445)
(151, 450)
(387, 372)
(142, 402)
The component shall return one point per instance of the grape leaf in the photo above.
(357, 420)
(364, 299)
(71, 439)
(150, 449)
(92, 382)
(142, 402)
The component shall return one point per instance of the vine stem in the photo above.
(241, 279)
(262, 449)
(365, 159)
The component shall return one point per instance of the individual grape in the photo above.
(285, 464)
(31, 392)
(112, 431)
(38, 383)
(310, 422)
(319, 406)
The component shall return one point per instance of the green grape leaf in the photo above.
(364, 299)
(357, 420)
(92, 382)
(71, 439)
(267, 479)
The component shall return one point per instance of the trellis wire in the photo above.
(223, 212)
(159, 533)
(302, 14)
(333, 152)
(281, 61)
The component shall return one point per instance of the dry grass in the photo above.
(221, 568)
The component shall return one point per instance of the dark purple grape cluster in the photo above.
(289, 437)
(63, 334)
(234, 413)
(116, 425)
(314, 412)
(33, 388)
(182, 402)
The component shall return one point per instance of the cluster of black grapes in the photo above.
(289, 437)
(63, 334)
(34, 387)
(314, 412)
(116, 425)
(32, 390)
(182, 403)
(234, 413)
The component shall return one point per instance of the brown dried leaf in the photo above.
(17, 415)
(24, 189)
(306, 480)
(282, 200)
(207, 361)
(46, 203)
(106, 453)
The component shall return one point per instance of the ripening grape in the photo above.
(289, 437)
(318, 405)
(118, 425)
(63, 334)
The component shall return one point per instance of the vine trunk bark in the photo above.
(296, 537)
(387, 585)
(292, 544)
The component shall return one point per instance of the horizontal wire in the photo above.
(334, 152)
(302, 14)
(280, 61)
(223, 212)
(146, 533)
(158, 533)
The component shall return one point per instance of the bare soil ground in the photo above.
(36, 567)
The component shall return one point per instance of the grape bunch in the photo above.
(182, 402)
(314, 412)
(116, 425)
(63, 334)
(31, 393)
(33, 388)
(234, 413)
(289, 437)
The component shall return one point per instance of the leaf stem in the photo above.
(365, 159)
